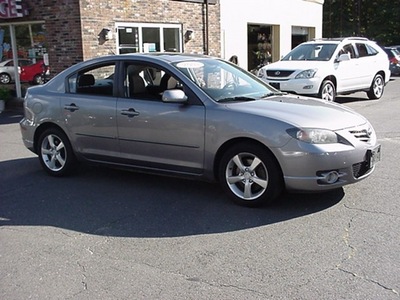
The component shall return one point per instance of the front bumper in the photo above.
(296, 86)
(308, 167)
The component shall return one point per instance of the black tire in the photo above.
(377, 87)
(250, 175)
(38, 79)
(55, 153)
(327, 91)
(5, 78)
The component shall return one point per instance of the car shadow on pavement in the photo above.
(103, 201)
(348, 99)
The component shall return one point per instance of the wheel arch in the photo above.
(243, 140)
(332, 79)
(42, 128)
(382, 73)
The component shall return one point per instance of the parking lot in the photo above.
(110, 234)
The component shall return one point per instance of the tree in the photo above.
(377, 20)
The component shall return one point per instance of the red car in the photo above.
(34, 73)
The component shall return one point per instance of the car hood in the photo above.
(296, 65)
(302, 112)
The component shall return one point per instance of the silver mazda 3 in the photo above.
(200, 117)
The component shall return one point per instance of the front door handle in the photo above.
(129, 112)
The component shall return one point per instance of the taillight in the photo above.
(394, 60)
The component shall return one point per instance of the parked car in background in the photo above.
(34, 73)
(325, 68)
(394, 58)
(395, 46)
(199, 117)
(7, 71)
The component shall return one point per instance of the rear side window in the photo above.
(365, 50)
(96, 81)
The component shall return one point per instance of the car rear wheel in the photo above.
(250, 175)
(327, 91)
(5, 78)
(377, 87)
(38, 79)
(55, 152)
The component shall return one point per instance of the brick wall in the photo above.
(63, 30)
(73, 26)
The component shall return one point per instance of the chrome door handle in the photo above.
(129, 112)
(72, 107)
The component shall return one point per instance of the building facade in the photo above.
(262, 31)
(77, 30)
(69, 31)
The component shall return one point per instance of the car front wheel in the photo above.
(377, 87)
(250, 175)
(55, 152)
(327, 91)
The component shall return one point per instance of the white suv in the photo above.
(327, 67)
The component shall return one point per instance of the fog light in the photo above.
(307, 87)
(329, 177)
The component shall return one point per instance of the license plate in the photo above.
(275, 85)
(373, 156)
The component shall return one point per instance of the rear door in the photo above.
(89, 110)
(368, 62)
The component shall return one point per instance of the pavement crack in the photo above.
(369, 280)
(346, 238)
(83, 274)
(370, 211)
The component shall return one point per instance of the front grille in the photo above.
(362, 134)
(360, 169)
(278, 73)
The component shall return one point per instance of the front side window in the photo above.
(147, 82)
(349, 50)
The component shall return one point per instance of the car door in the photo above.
(368, 64)
(347, 70)
(89, 110)
(155, 134)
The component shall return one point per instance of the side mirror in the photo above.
(174, 96)
(343, 57)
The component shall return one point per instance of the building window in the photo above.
(143, 37)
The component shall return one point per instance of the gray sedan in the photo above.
(199, 117)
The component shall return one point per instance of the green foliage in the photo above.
(378, 20)
(5, 93)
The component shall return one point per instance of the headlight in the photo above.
(306, 74)
(313, 136)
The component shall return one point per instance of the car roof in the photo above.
(168, 57)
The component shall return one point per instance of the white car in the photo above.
(327, 67)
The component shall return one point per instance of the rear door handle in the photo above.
(72, 107)
(129, 112)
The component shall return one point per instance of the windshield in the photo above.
(223, 81)
(321, 52)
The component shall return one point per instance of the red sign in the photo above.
(10, 9)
